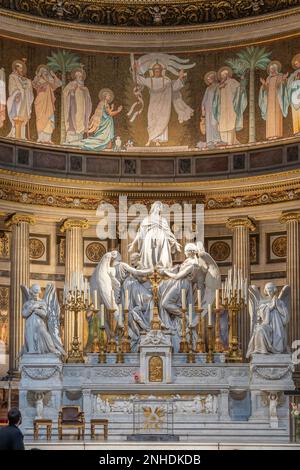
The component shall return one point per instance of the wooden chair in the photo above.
(71, 417)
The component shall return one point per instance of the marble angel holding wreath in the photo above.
(269, 320)
(42, 325)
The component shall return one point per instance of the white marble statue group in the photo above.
(117, 282)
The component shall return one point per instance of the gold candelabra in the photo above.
(210, 346)
(233, 305)
(75, 303)
(190, 354)
(126, 342)
(103, 342)
(112, 345)
(120, 354)
(219, 347)
(155, 279)
(95, 344)
(200, 344)
(183, 347)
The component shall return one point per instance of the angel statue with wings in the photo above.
(198, 271)
(42, 321)
(269, 319)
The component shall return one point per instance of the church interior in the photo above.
(150, 223)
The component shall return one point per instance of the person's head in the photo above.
(210, 78)
(14, 417)
(19, 68)
(157, 70)
(156, 207)
(273, 69)
(35, 291)
(191, 250)
(270, 289)
(78, 75)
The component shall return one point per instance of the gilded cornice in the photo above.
(142, 13)
(124, 39)
(17, 219)
(261, 190)
(235, 222)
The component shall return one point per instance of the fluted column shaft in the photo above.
(292, 221)
(20, 274)
(73, 263)
(241, 226)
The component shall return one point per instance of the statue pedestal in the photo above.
(270, 374)
(41, 375)
(156, 358)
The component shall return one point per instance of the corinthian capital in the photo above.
(17, 219)
(68, 224)
(235, 222)
(289, 217)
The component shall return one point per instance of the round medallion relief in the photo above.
(94, 252)
(279, 247)
(36, 248)
(220, 251)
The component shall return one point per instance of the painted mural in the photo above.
(149, 102)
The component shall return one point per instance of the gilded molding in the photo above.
(289, 217)
(141, 14)
(235, 222)
(17, 219)
(68, 224)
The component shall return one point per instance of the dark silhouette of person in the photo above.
(11, 438)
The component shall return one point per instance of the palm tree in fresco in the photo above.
(247, 61)
(63, 62)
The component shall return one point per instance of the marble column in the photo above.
(241, 226)
(73, 229)
(20, 274)
(292, 221)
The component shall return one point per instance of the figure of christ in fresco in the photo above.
(2, 97)
(229, 104)
(101, 124)
(19, 101)
(163, 92)
(211, 125)
(273, 100)
(77, 107)
(45, 83)
(293, 86)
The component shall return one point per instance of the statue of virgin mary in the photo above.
(155, 240)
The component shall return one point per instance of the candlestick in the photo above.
(95, 344)
(120, 322)
(95, 298)
(200, 345)
(183, 347)
(190, 354)
(75, 304)
(210, 355)
(112, 345)
(126, 342)
(219, 348)
(103, 345)
(126, 300)
(120, 355)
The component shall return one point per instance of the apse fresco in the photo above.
(150, 102)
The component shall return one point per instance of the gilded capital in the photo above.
(235, 222)
(289, 217)
(17, 219)
(68, 224)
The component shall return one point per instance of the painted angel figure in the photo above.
(150, 71)
(269, 319)
(42, 321)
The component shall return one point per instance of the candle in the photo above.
(183, 299)
(246, 289)
(190, 314)
(89, 295)
(217, 299)
(95, 299)
(101, 315)
(126, 299)
(209, 315)
(120, 316)
(199, 298)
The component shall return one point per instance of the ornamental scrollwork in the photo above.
(40, 373)
(195, 372)
(145, 13)
(272, 373)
